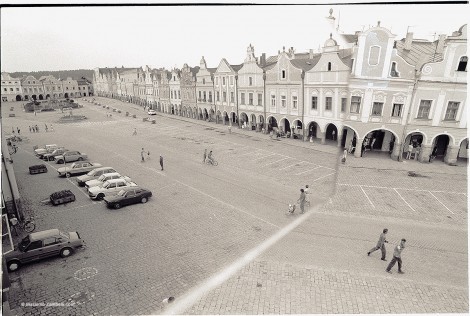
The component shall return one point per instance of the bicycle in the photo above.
(212, 162)
(27, 225)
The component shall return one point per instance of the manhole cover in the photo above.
(85, 273)
(81, 298)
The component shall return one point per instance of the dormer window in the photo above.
(203, 81)
(329, 66)
(463, 64)
(283, 74)
(393, 71)
(374, 55)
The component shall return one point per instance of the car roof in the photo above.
(133, 188)
(110, 174)
(116, 180)
(103, 168)
(43, 234)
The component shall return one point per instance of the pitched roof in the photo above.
(194, 70)
(236, 67)
(421, 52)
(306, 64)
(211, 70)
(349, 38)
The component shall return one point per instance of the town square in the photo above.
(329, 180)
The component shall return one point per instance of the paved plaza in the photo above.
(218, 238)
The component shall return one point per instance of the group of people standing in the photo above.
(396, 253)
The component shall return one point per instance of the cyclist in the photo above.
(210, 159)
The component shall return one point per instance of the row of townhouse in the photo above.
(378, 91)
(30, 88)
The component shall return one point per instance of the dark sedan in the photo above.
(128, 196)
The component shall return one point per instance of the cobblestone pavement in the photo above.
(202, 219)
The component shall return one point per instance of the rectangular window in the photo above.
(260, 99)
(250, 98)
(273, 100)
(223, 81)
(210, 96)
(294, 102)
(396, 111)
(225, 97)
(11, 89)
(232, 97)
(377, 108)
(242, 98)
(204, 96)
(328, 103)
(283, 101)
(424, 109)
(355, 104)
(217, 80)
(283, 74)
(199, 99)
(231, 80)
(314, 103)
(451, 112)
(250, 81)
(344, 101)
(218, 96)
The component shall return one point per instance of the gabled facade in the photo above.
(225, 88)
(34, 90)
(251, 100)
(11, 88)
(165, 91)
(188, 89)
(70, 87)
(205, 95)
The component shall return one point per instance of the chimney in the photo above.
(262, 60)
(441, 44)
(310, 54)
(408, 40)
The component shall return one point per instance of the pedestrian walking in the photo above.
(417, 151)
(30, 129)
(34, 113)
(37, 128)
(363, 149)
(230, 129)
(18, 130)
(345, 155)
(161, 162)
(307, 194)
(380, 245)
(13, 130)
(135, 132)
(52, 129)
(397, 257)
(301, 201)
(333, 134)
(372, 143)
(410, 150)
(45, 127)
(142, 152)
(148, 155)
(204, 156)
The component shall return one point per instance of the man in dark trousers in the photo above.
(161, 161)
(380, 245)
(397, 257)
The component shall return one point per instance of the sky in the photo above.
(64, 38)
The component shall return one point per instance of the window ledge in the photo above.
(450, 121)
(422, 119)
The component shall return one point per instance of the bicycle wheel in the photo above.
(29, 226)
(215, 163)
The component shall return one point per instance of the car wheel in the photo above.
(66, 252)
(144, 200)
(68, 174)
(13, 265)
(51, 158)
(60, 161)
(100, 196)
(117, 205)
(80, 159)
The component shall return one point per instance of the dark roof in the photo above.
(211, 70)
(306, 64)
(194, 70)
(349, 38)
(421, 52)
(236, 67)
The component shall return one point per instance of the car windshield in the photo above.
(74, 165)
(65, 235)
(24, 243)
(102, 178)
(122, 193)
(92, 172)
(106, 184)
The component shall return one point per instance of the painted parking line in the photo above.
(327, 175)
(404, 189)
(309, 170)
(440, 202)
(264, 157)
(293, 165)
(372, 204)
(404, 200)
(275, 162)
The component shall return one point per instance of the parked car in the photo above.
(152, 112)
(128, 196)
(110, 187)
(69, 156)
(62, 197)
(37, 169)
(93, 174)
(39, 245)
(77, 168)
(105, 177)
(50, 156)
(45, 150)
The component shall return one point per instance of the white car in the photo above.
(152, 112)
(110, 187)
(105, 177)
(93, 174)
(45, 150)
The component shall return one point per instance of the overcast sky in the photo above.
(38, 38)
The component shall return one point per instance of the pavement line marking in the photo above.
(292, 165)
(373, 206)
(324, 176)
(405, 189)
(309, 170)
(440, 202)
(181, 305)
(275, 162)
(250, 153)
(404, 200)
(264, 157)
